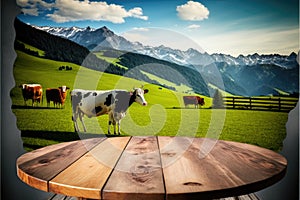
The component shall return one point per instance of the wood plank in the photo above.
(41, 151)
(219, 174)
(196, 178)
(138, 174)
(263, 166)
(36, 168)
(262, 151)
(87, 176)
(243, 197)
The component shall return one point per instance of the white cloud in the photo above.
(22, 3)
(192, 11)
(75, 10)
(44, 4)
(193, 26)
(137, 13)
(33, 7)
(34, 4)
(30, 11)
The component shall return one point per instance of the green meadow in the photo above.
(165, 114)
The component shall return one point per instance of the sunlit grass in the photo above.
(165, 114)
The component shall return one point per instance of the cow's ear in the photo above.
(146, 91)
(68, 88)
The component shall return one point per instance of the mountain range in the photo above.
(96, 39)
(249, 75)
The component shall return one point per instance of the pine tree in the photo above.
(218, 100)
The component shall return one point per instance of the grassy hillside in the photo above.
(42, 126)
(113, 60)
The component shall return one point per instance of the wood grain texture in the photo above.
(152, 168)
(227, 170)
(243, 197)
(257, 167)
(269, 154)
(87, 176)
(138, 174)
(37, 168)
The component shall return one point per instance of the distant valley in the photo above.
(251, 75)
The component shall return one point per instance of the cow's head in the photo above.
(63, 93)
(23, 86)
(138, 95)
(63, 88)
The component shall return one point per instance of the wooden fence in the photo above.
(284, 104)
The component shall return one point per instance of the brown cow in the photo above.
(33, 92)
(195, 100)
(57, 95)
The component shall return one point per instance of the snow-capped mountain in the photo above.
(96, 39)
(242, 75)
(62, 31)
(93, 39)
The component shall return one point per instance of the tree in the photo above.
(218, 100)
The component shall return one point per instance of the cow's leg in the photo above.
(108, 130)
(75, 113)
(39, 102)
(114, 124)
(115, 129)
(82, 122)
(110, 121)
(74, 118)
(119, 130)
(75, 124)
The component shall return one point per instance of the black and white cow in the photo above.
(115, 103)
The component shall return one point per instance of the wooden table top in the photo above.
(151, 168)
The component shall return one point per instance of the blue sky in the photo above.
(215, 26)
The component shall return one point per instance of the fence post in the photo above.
(250, 102)
(233, 103)
(279, 103)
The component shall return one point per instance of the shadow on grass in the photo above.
(175, 107)
(33, 107)
(57, 137)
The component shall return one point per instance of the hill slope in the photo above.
(242, 75)
(60, 49)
